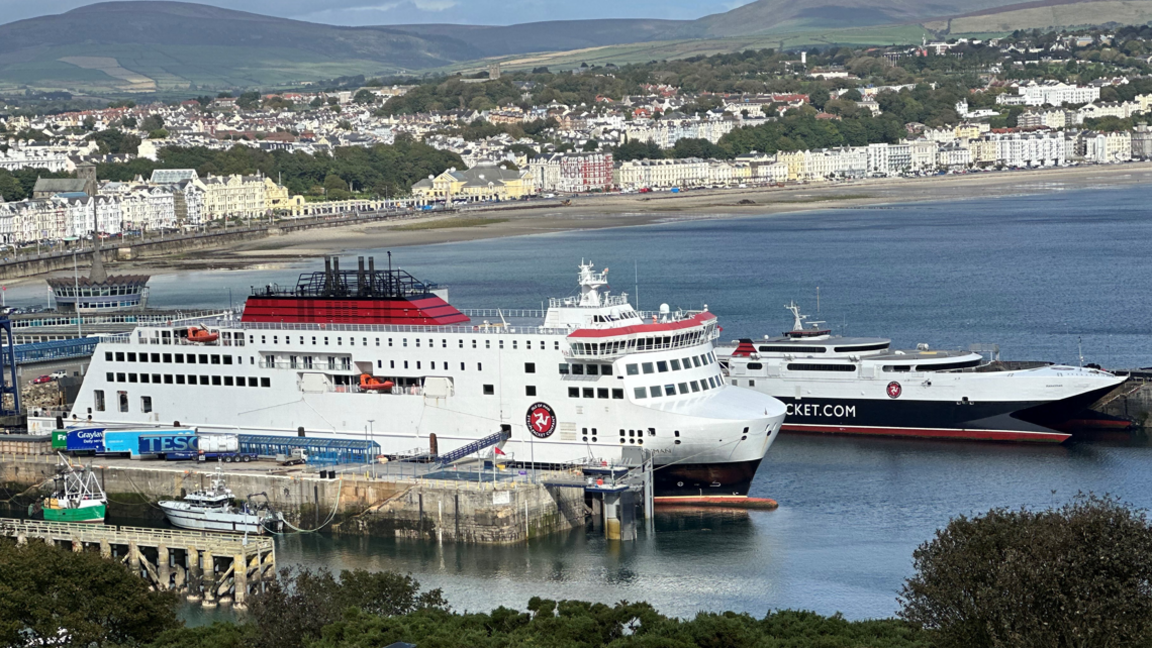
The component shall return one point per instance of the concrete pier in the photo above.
(252, 560)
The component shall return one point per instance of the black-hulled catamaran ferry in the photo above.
(849, 385)
(345, 354)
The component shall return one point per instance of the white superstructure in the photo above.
(583, 380)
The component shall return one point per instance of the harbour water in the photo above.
(1042, 276)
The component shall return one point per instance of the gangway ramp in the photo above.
(473, 448)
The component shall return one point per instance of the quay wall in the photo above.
(1131, 400)
(440, 510)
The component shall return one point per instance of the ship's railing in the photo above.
(574, 301)
(139, 320)
(505, 312)
(395, 328)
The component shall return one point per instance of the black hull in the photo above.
(704, 480)
(989, 421)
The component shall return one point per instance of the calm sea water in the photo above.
(1035, 274)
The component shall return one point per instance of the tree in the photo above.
(151, 123)
(10, 189)
(115, 141)
(159, 133)
(89, 124)
(364, 97)
(1077, 575)
(294, 609)
(248, 101)
(47, 593)
(591, 145)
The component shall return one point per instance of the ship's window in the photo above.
(798, 366)
(417, 343)
(98, 396)
(754, 366)
(866, 347)
(573, 392)
(528, 345)
(391, 364)
(389, 341)
(473, 344)
(602, 392)
(108, 356)
(695, 386)
(156, 378)
(593, 370)
(131, 357)
(662, 366)
(897, 368)
(340, 341)
(647, 366)
(751, 383)
(617, 393)
(675, 365)
(215, 359)
(418, 365)
(632, 369)
(168, 358)
(228, 381)
(132, 378)
(587, 392)
(461, 343)
(110, 377)
(239, 381)
(655, 391)
(155, 357)
(530, 367)
(683, 388)
(351, 341)
(252, 339)
(489, 390)
(513, 344)
(227, 359)
(379, 364)
(143, 357)
(179, 379)
(192, 379)
(204, 380)
(556, 345)
(461, 366)
(146, 404)
(167, 379)
(789, 348)
(479, 367)
(577, 370)
(687, 363)
(119, 356)
(263, 339)
(948, 366)
(405, 364)
(377, 341)
(487, 344)
(265, 382)
(632, 433)
(203, 358)
(711, 382)
(191, 358)
(275, 339)
(123, 398)
(530, 390)
(677, 441)
(251, 381)
(621, 432)
(669, 390)
(640, 393)
(563, 369)
(696, 360)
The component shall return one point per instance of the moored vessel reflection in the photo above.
(377, 354)
(857, 385)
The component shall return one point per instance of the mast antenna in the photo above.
(1080, 349)
(636, 277)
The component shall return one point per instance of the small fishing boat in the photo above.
(214, 509)
(77, 496)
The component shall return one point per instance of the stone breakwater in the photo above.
(418, 509)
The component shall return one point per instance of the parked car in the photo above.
(42, 379)
(57, 375)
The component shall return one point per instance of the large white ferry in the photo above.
(377, 354)
(849, 385)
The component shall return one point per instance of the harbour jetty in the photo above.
(471, 507)
(212, 568)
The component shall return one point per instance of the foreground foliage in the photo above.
(49, 596)
(1078, 575)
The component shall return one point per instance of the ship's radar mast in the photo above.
(590, 284)
(798, 321)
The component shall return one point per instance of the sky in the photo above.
(385, 12)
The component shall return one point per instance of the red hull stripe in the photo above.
(934, 433)
(692, 322)
(427, 311)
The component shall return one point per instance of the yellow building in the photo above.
(485, 181)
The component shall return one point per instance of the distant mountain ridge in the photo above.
(150, 45)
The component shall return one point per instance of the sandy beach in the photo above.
(616, 210)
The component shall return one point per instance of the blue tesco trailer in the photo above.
(137, 443)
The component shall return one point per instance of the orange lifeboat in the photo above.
(201, 335)
(370, 383)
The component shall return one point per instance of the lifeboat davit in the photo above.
(370, 383)
(202, 335)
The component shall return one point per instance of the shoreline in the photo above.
(629, 210)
